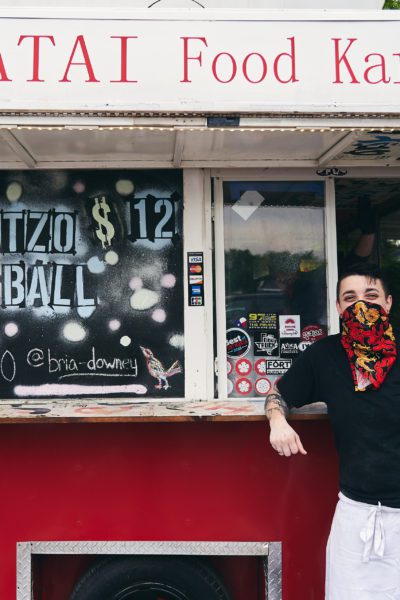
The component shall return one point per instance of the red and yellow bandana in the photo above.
(368, 340)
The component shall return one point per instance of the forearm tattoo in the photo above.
(274, 401)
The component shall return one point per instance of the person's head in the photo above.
(362, 282)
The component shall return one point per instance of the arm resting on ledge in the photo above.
(283, 437)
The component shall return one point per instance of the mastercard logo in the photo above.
(195, 268)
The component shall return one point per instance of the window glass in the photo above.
(91, 284)
(368, 229)
(275, 279)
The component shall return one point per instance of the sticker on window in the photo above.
(313, 333)
(290, 348)
(263, 321)
(260, 366)
(243, 386)
(262, 386)
(241, 322)
(278, 366)
(243, 366)
(289, 326)
(237, 342)
(266, 344)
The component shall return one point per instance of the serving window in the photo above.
(275, 279)
(91, 284)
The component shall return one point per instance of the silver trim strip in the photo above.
(274, 576)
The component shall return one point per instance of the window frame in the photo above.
(221, 176)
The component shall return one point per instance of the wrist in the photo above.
(274, 403)
(275, 415)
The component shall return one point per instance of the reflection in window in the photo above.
(274, 277)
(379, 198)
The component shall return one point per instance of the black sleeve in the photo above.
(298, 386)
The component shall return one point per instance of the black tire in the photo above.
(150, 578)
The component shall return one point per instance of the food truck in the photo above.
(179, 185)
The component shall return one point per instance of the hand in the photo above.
(283, 438)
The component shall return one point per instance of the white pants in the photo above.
(363, 552)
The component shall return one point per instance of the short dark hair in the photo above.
(368, 270)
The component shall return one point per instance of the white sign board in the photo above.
(200, 63)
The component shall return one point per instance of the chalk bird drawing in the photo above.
(158, 371)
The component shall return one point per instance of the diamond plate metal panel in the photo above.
(274, 576)
(270, 552)
(24, 571)
(176, 548)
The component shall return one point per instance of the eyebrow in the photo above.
(372, 289)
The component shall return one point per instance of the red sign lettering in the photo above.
(124, 58)
(292, 62)
(80, 41)
(214, 67)
(186, 57)
(36, 51)
(342, 58)
(264, 67)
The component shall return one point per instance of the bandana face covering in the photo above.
(368, 340)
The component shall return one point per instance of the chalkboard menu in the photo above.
(91, 284)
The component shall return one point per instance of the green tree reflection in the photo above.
(392, 4)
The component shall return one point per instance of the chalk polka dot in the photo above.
(159, 315)
(11, 329)
(124, 187)
(111, 257)
(144, 299)
(136, 283)
(14, 191)
(168, 280)
(95, 265)
(79, 187)
(125, 340)
(74, 332)
(177, 341)
(114, 324)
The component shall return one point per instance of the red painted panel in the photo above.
(168, 481)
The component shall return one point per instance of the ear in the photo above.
(338, 308)
(389, 302)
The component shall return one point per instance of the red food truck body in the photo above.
(178, 190)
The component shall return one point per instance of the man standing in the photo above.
(357, 374)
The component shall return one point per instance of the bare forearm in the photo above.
(365, 245)
(275, 405)
(283, 438)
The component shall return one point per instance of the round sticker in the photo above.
(261, 366)
(228, 367)
(243, 386)
(262, 386)
(229, 387)
(243, 366)
(313, 333)
(237, 342)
